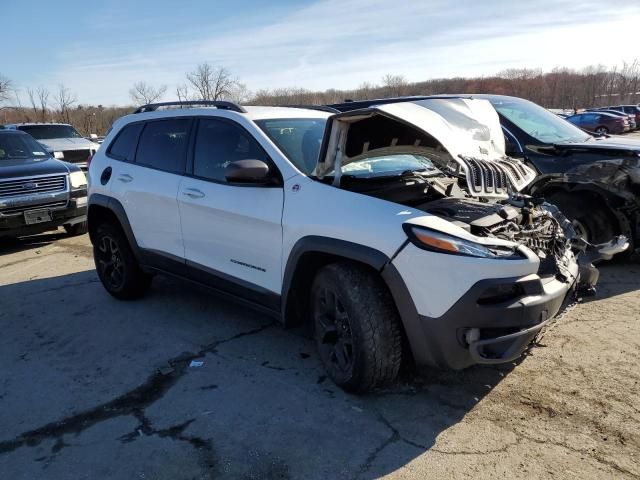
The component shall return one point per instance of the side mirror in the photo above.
(248, 171)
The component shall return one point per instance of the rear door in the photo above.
(232, 233)
(147, 184)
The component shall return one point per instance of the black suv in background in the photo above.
(38, 192)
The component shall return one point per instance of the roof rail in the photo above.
(221, 104)
(321, 108)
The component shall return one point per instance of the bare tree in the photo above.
(5, 87)
(43, 99)
(239, 93)
(182, 92)
(33, 100)
(65, 100)
(395, 85)
(211, 83)
(142, 93)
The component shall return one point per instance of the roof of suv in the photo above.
(260, 113)
(27, 124)
(250, 112)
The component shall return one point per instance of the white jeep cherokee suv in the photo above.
(396, 231)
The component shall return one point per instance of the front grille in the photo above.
(21, 210)
(31, 186)
(76, 156)
(496, 176)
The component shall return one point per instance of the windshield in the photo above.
(298, 138)
(538, 122)
(388, 165)
(17, 146)
(40, 132)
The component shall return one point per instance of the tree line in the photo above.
(563, 88)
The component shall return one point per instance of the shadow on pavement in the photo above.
(10, 245)
(75, 360)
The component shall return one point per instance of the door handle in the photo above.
(125, 177)
(193, 193)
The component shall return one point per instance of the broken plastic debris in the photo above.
(196, 363)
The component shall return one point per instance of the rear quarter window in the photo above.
(124, 145)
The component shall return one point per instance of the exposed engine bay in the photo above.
(520, 219)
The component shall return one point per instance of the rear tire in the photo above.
(356, 327)
(602, 130)
(116, 265)
(77, 229)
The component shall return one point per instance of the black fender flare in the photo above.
(115, 207)
(379, 262)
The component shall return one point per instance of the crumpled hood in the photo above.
(61, 144)
(465, 127)
(468, 129)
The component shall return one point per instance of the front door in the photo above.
(232, 233)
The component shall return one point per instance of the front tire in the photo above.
(76, 229)
(591, 222)
(116, 265)
(356, 327)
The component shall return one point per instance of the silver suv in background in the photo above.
(61, 140)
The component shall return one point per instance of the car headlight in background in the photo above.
(77, 179)
(435, 241)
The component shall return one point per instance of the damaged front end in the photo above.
(447, 157)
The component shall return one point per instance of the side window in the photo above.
(124, 145)
(219, 143)
(163, 144)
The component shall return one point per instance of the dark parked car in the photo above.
(630, 118)
(38, 192)
(600, 122)
(629, 109)
(594, 180)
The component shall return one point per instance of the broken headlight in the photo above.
(435, 241)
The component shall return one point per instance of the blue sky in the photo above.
(100, 49)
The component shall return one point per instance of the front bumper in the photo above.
(15, 225)
(494, 322)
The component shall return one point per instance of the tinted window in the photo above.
(43, 132)
(536, 121)
(124, 146)
(163, 144)
(219, 143)
(298, 138)
(20, 146)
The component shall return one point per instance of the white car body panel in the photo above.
(436, 281)
(235, 230)
(149, 198)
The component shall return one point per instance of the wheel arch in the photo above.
(310, 254)
(611, 202)
(107, 209)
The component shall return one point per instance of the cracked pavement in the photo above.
(91, 387)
